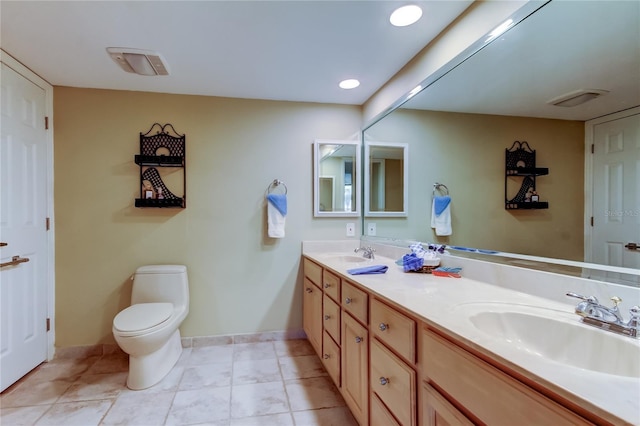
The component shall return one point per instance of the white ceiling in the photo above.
(280, 50)
(563, 47)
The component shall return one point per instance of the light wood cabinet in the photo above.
(355, 301)
(394, 382)
(393, 368)
(396, 330)
(331, 358)
(491, 395)
(312, 314)
(331, 285)
(437, 411)
(355, 368)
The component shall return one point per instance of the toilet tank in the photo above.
(161, 283)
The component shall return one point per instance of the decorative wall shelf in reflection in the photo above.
(164, 148)
(520, 163)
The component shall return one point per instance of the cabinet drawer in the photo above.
(331, 358)
(312, 271)
(395, 329)
(394, 382)
(331, 284)
(355, 301)
(491, 395)
(331, 318)
(380, 416)
(437, 411)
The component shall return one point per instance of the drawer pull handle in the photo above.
(326, 356)
(383, 326)
(327, 285)
(384, 381)
(358, 339)
(326, 317)
(309, 290)
(347, 300)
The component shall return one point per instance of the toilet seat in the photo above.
(142, 318)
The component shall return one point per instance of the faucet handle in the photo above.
(616, 300)
(590, 299)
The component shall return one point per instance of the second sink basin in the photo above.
(557, 336)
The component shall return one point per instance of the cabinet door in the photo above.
(331, 358)
(331, 284)
(396, 330)
(355, 368)
(380, 416)
(394, 382)
(437, 411)
(331, 317)
(355, 301)
(312, 315)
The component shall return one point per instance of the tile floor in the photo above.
(266, 383)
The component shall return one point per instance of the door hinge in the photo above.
(591, 220)
(593, 148)
(46, 123)
(48, 224)
(48, 324)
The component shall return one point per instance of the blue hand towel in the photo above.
(375, 269)
(279, 201)
(411, 262)
(440, 203)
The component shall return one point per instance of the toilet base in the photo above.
(147, 370)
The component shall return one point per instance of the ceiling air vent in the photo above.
(143, 62)
(577, 97)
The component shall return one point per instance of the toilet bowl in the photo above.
(148, 330)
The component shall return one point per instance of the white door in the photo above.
(23, 211)
(616, 194)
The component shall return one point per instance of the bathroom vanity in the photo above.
(410, 348)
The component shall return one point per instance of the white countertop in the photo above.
(444, 302)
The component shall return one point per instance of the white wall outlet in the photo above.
(371, 229)
(351, 229)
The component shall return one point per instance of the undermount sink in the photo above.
(348, 258)
(557, 336)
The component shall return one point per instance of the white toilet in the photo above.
(148, 329)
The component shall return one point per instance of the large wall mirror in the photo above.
(386, 186)
(336, 178)
(459, 126)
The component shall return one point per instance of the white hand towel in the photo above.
(276, 212)
(441, 215)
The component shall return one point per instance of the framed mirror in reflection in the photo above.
(460, 124)
(386, 186)
(336, 178)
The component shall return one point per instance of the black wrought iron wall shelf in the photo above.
(164, 148)
(520, 163)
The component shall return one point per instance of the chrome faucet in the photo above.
(368, 252)
(593, 313)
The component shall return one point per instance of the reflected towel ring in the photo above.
(442, 188)
(276, 183)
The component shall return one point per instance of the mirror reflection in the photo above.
(336, 180)
(386, 186)
(460, 125)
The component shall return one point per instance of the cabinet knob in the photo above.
(347, 300)
(326, 356)
(309, 290)
(358, 339)
(326, 317)
(383, 326)
(327, 285)
(384, 381)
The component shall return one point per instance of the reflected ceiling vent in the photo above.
(143, 62)
(577, 97)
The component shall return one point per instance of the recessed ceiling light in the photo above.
(143, 62)
(577, 97)
(351, 83)
(405, 15)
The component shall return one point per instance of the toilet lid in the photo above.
(142, 316)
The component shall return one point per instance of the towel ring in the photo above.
(276, 183)
(442, 188)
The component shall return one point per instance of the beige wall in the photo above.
(240, 280)
(466, 152)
